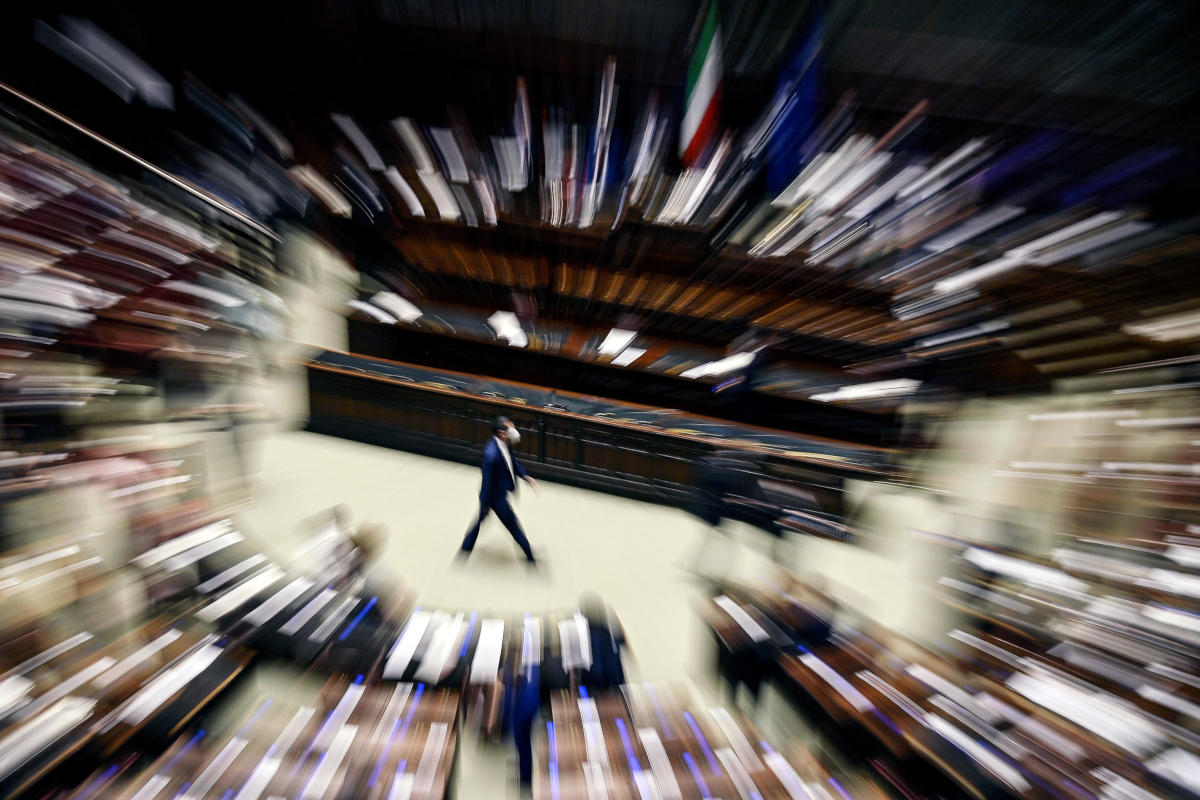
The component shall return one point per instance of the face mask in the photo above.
(513, 435)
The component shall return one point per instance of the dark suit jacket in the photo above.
(497, 480)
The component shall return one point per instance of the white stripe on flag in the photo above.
(702, 93)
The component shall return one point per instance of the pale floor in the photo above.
(632, 554)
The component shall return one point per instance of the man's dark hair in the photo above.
(500, 423)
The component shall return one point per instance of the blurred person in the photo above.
(607, 645)
(732, 475)
(523, 703)
(741, 390)
(500, 472)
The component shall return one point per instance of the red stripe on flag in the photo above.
(705, 130)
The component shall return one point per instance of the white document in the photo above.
(173, 547)
(402, 787)
(191, 556)
(737, 739)
(328, 766)
(225, 576)
(162, 688)
(406, 645)
(443, 646)
(301, 617)
(278, 601)
(13, 691)
(755, 631)
(215, 769)
(30, 739)
(486, 663)
(430, 758)
(339, 715)
(787, 776)
(240, 594)
(331, 623)
(141, 654)
(151, 788)
(660, 764)
(741, 779)
(843, 687)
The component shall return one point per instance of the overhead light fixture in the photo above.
(981, 329)
(1159, 422)
(508, 327)
(628, 356)
(1169, 328)
(974, 275)
(719, 367)
(929, 305)
(616, 341)
(398, 306)
(372, 311)
(1054, 416)
(869, 391)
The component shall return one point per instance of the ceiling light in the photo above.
(868, 391)
(1124, 413)
(974, 275)
(1169, 328)
(398, 306)
(373, 311)
(720, 367)
(508, 327)
(628, 356)
(616, 341)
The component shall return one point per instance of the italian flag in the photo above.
(703, 91)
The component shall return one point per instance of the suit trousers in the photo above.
(505, 513)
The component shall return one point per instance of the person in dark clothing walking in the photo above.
(500, 472)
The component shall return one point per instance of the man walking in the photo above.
(500, 472)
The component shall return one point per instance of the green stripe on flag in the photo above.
(703, 45)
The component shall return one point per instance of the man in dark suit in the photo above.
(500, 472)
